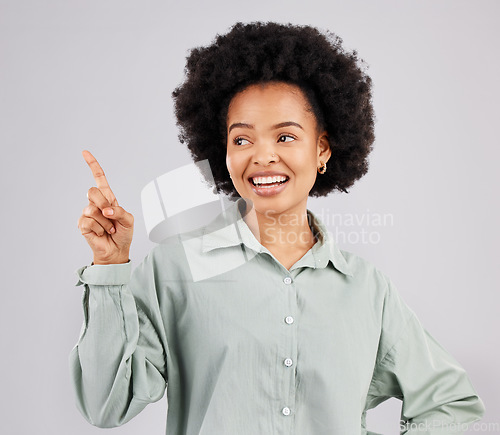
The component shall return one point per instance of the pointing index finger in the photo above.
(99, 177)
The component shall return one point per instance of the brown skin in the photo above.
(109, 236)
(278, 221)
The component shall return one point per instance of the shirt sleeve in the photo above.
(437, 395)
(118, 365)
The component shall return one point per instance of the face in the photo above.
(274, 147)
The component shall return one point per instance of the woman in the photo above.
(257, 322)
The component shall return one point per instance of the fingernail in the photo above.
(109, 211)
(112, 230)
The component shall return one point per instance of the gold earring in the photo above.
(322, 168)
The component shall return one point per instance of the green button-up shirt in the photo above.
(247, 347)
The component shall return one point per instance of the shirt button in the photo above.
(287, 280)
(288, 362)
(285, 410)
(289, 319)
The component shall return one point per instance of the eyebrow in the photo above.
(274, 127)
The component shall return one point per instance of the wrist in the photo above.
(115, 260)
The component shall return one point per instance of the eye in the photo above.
(240, 141)
(286, 138)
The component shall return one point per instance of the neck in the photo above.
(279, 231)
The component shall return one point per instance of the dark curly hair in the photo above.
(338, 90)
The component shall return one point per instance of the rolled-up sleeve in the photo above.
(437, 395)
(118, 365)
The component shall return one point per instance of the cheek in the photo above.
(306, 159)
(309, 166)
(230, 162)
(234, 165)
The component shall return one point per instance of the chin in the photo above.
(272, 206)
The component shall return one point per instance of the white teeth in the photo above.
(268, 180)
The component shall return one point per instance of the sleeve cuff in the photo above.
(104, 274)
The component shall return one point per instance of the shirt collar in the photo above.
(229, 229)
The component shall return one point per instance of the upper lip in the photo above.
(267, 174)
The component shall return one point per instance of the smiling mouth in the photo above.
(267, 182)
(269, 186)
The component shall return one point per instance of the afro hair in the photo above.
(332, 79)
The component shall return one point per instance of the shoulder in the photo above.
(364, 270)
(173, 248)
(367, 272)
(382, 293)
(190, 256)
(369, 278)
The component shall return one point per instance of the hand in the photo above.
(106, 226)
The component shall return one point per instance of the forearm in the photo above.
(112, 376)
(445, 401)
(448, 419)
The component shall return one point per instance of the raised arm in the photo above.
(118, 365)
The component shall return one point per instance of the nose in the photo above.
(265, 154)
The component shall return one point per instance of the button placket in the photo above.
(290, 349)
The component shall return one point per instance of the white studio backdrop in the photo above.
(98, 75)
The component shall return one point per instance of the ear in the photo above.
(323, 148)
